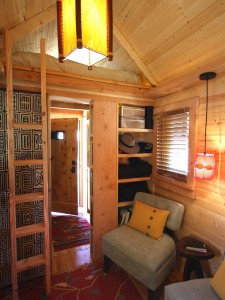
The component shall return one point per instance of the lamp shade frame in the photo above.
(82, 26)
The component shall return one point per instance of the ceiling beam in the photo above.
(49, 14)
(132, 53)
(31, 24)
(69, 105)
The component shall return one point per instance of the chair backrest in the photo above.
(176, 209)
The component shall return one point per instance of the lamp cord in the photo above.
(206, 114)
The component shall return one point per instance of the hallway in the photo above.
(70, 259)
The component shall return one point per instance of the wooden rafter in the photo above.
(31, 24)
(132, 53)
(49, 15)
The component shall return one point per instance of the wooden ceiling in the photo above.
(163, 43)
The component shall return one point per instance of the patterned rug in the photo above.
(70, 231)
(85, 283)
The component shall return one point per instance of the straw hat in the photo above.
(127, 143)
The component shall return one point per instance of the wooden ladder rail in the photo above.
(45, 167)
(42, 259)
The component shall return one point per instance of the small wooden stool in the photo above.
(193, 258)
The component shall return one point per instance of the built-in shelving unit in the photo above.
(135, 179)
(104, 158)
(142, 130)
(140, 135)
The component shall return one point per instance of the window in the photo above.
(175, 137)
(172, 144)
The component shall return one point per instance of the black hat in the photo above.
(145, 147)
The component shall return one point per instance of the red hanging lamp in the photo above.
(205, 162)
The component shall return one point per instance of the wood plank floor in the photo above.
(70, 259)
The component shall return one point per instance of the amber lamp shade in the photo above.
(84, 30)
(204, 166)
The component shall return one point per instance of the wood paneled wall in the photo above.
(205, 215)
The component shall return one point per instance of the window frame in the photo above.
(170, 183)
(167, 119)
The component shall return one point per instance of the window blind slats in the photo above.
(169, 144)
(172, 144)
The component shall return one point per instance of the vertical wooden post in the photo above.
(45, 166)
(9, 92)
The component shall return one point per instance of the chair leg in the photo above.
(151, 294)
(107, 263)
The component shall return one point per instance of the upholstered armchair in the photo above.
(195, 289)
(142, 247)
(198, 289)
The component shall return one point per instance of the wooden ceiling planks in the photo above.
(121, 59)
(20, 11)
(29, 25)
(182, 32)
(154, 39)
(194, 51)
(3, 18)
(52, 39)
(162, 32)
(134, 55)
(191, 46)
(8, 9)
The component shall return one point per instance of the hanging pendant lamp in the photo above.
(84, 30)
(205, 162)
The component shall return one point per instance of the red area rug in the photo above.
(85, 283)
(70, 231)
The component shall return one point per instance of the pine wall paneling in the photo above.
(205, 215)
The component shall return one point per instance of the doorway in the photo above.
(69, 182)
(74, 117)
(64, 165)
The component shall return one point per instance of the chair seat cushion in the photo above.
(147, 259)
(194, 289)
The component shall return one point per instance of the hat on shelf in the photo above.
(145, 147)
(127, 143)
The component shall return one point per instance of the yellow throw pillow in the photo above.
(218, 280)
(148, 219)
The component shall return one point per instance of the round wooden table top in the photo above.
(192, 254)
